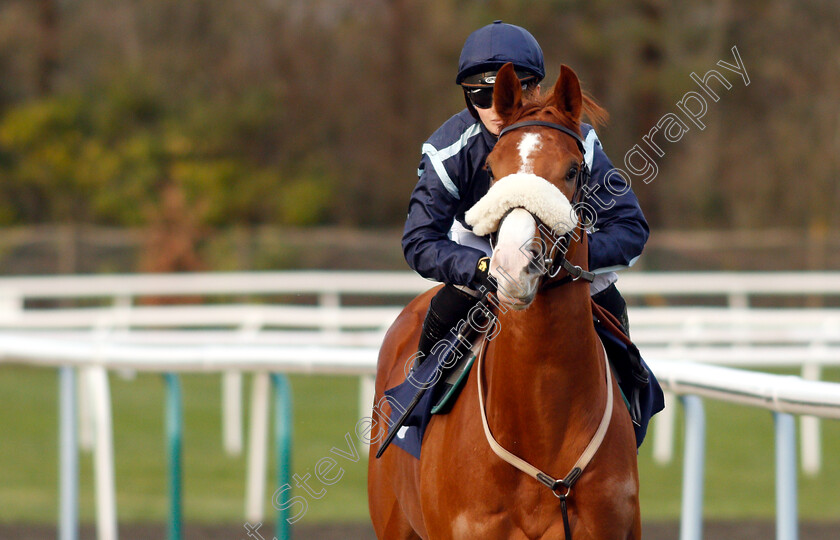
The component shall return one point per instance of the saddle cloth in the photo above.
(441, 378)
(643, 398)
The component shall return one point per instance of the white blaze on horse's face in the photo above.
(528, 145)
(511, 265)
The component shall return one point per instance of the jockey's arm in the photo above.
(620, 229)
(426, 244)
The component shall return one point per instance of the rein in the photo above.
(555, 262)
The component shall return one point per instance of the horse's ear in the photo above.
(567, 94)
(507, 92)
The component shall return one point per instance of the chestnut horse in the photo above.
(543, 377)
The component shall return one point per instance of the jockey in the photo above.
(436, 240)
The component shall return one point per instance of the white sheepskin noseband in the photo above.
(522, 190)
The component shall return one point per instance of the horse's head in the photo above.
(538, 166)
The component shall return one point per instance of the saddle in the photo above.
(443, 382)
(437, 381)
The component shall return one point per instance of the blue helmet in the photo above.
(489, 48)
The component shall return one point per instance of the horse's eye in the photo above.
(572, 174)
(489, 170)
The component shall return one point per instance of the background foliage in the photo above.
(186, 118)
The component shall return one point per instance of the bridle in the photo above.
(560, 487)
(555, 258)
(583, 170)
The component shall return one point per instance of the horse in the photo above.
(541, 388)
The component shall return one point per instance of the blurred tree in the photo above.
(174, 234)
(301, 112)
(48, 54)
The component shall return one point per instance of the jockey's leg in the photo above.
(451, 304)
(633, 376)
(448, 307)
(611, 300)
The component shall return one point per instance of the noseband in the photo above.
(555, 258)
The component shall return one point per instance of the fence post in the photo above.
(83, 402)
(367, 393)
(691, 522)
(283, 448)
(738, 300)
(232, 393)
(810, 425)
(232, 412)
(663, 434)
(786, 500)
(11, 301)
(330, 302)
(174, 431)
(68, 523)
(256, 464)
(103, 455)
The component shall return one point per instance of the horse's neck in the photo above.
(551, 345)
(545, 378)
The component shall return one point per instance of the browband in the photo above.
(552, 125)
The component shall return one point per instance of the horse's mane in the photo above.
(596, 114)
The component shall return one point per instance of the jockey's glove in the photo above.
(482, 276)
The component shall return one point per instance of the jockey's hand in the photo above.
(482, 276)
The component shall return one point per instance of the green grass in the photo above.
(739, 478)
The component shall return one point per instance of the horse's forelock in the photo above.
(596, 114)
(531, 106)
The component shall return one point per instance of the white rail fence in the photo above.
(734, 333)
(301, 322)
(784, 395)
(734, 336)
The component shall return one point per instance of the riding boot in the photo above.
(611, 300)
(448, 307)
(632, 375)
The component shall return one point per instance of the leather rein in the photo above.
(560, 487)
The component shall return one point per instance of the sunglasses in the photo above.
(482, 98)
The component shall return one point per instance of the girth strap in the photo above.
(555, 485)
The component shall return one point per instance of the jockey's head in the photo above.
(485, 52)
